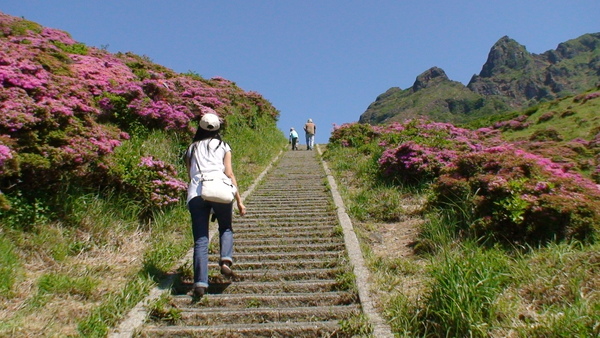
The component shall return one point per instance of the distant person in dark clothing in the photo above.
(310, 129)
(294, 138)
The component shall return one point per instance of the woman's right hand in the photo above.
(241, 208)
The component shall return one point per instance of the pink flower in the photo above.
(5, 154)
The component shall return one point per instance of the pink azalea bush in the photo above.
(519, 197)
(156, 183)
(546, 116)
(585, 97)
(66, 107)
(413, 162)
(499, 190)
(5, 156)
(515, 124)
(417, 150)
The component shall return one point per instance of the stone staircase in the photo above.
(292, 273)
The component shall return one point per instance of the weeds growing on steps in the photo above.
(162, 310)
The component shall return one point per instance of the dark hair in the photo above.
(202, 134)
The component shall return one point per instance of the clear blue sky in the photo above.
(326, 59)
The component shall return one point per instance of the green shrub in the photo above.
(20, 27)
(25, 212)
(546, 116)
(353, 135)
(548, 134)
(76, 48)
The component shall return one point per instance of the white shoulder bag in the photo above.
(216, 188)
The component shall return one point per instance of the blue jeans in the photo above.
(200, 213)
(310, 141)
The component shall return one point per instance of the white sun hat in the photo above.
(210, 122)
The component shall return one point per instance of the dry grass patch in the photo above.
(395, 270)
(393, 240)
(35, 311)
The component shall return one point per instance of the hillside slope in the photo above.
(92, 182)
(66, 107)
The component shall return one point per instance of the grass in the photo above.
(62, 284)
(449, 286)
(114, 306)
(465, 283)
(558, 130)
(345, 279)
(581, 124)
(555, 291)
(355, 326)
(9, 266)
(253, 149)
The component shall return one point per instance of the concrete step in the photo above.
(282, 275)
(243, 242)
(267, 257)
(218, 316)
(219, 285)
(274, 300)
(295, 213)
(281, 265)
(295, 286)
(290, 248)
(288, 231)
(282, 202)
(278, 218)
(274, 225)
(277, 329)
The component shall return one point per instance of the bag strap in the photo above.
(193, 156)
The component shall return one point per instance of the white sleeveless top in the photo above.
(205, 162)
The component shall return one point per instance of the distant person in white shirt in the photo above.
(294, 138)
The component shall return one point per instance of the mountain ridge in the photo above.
(510, 79)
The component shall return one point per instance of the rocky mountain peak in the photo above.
(432, 76)
(505, 55)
